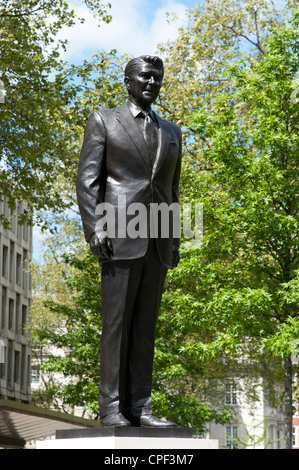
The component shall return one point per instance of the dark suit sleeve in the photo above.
(176, 181)
(91, 175)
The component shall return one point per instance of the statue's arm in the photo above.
(91, 180)
(175, 198)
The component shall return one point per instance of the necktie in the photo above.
(150, 134)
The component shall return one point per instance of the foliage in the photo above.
(257, 436)
(253, 148)
(217, 34)
(251, 244)
(35, 113)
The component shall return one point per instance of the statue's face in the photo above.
(144, 86)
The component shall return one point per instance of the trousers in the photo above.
(131, 296)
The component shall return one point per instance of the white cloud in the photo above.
(136, 28)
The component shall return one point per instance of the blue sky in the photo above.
(137, 27)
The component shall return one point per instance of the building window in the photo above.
(19, 269)
(231, 437)
(296, 436)
(12, 218)
(2, 359)
(5, 261)
(23, 369)
(35, 374)
(24, 319)
(1, 351)
(17, 317)
(19, 226)
(25, 269)
(25, 228)
(11, 264)
(4, 307)
(11, 306)
(17, 366)
(28, 368)
(10, 357)
(19, 232)
(230, 395)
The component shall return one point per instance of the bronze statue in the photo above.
(130, 157)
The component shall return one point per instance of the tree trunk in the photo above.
(288, 403)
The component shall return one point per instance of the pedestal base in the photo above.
(127, 438)
(114, 431)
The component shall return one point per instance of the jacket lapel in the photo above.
(128, 122)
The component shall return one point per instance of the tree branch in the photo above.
(256, 44)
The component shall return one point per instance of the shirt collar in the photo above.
(135, 110)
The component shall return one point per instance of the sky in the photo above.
(137, 27)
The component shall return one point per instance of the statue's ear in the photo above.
(127, 83)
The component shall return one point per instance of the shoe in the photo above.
(115, 419)
(152, 422)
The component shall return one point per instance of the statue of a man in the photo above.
(130, 155)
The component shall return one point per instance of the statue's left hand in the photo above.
(101, 246)
(175, 257)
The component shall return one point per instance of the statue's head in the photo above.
(143, 79)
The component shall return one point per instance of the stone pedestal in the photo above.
(127, 438)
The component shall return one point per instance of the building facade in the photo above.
(256, 425)
(15, 302)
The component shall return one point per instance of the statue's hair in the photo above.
(133, 65)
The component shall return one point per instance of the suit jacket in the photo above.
(115, 163)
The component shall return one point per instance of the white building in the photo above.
(256, 425)
(15, 301)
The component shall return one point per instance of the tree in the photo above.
(194, 339)
(217, 33)
(251, 202)
(35, 111)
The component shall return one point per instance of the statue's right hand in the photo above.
(101, 245)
